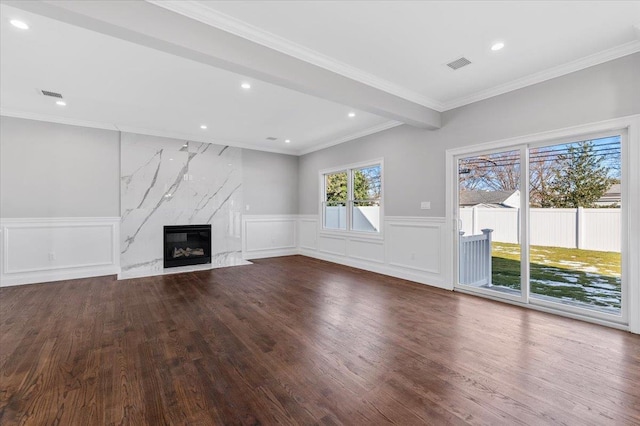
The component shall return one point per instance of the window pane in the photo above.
(335, 215)
(366, 216)
(335, 205)
(335, 187)
(366, 183)
(489, 213)
(365, 209)
(575, 223)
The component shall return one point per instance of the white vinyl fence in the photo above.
(365, 218)
(588, 229)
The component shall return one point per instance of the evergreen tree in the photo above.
(366, 185)
(581, 178)
(336, 188)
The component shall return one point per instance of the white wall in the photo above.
(58, 181)
(270, 183)
(414, 159)
(57, 170)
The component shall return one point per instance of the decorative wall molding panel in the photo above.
(269, 236)
(36, 250)
(412, 248)
(308, 232)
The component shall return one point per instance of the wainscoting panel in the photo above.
(413, 248)
(51, 249)
(308, 232)
(414, 245)
(334, 245)
(364, 249)
(269, 236)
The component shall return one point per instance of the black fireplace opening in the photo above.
(187, 245)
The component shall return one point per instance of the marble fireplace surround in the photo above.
(174, 182)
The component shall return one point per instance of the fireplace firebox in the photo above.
(187, 245)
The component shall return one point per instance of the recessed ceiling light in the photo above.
(19, 24)
(287, 141)
(352, 114)
(203, 127)
(61, 103)
(246, 86)
(497, 46)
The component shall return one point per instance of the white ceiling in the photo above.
(396, 47)
(404, 45)
(111, 83)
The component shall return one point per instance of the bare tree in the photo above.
(494, 172)
(542, 168)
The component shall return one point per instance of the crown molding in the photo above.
(7, 112)
(564, 69)
(192, 138)
(200, 12)
(362, 133)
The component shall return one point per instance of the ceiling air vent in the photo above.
(458, 63)
(52, 94)
(271, 138)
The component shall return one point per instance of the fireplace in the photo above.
(187, 245)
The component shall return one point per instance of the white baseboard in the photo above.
(45, 277)
(263, 254)
(433, 281)
(36, 250)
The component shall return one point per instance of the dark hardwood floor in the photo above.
(295, 340)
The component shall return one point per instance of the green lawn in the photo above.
(583, 276)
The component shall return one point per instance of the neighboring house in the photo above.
(611, 197)
(490, 199)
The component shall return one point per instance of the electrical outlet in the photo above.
(247, 207)
(52, 256)
(425, 205)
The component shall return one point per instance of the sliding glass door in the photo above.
(543, 224)
(575, 220)
(489, 218)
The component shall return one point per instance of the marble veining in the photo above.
(172, 182)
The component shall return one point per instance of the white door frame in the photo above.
(630, 210)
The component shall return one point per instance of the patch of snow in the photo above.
(554, 283)
(570, 278)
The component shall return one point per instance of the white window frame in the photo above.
(349, 168)
(630, 319)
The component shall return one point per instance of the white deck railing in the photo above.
(475, 259)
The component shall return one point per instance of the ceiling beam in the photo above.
(155, 27)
